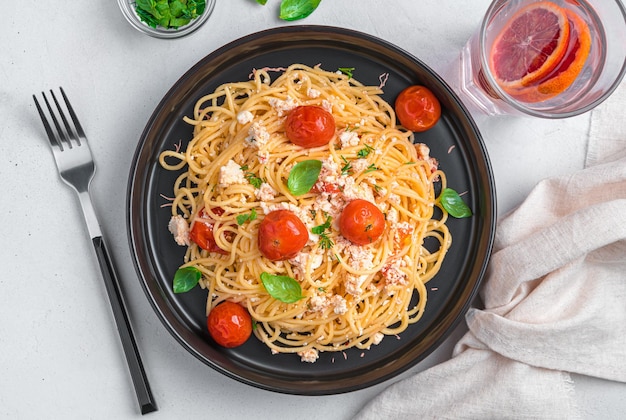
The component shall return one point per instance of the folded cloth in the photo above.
(554, 304)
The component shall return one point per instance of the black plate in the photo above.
(455, 141)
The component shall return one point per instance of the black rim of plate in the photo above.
(455, 141)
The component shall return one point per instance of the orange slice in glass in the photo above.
(561, 77)
(530, 46)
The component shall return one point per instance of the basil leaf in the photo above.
(303, 176)
(297, 9)
(261, 1)
(186, 279)
(452, 202)
(283, 288)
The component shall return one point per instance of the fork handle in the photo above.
(137, 372)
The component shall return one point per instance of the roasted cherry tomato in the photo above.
(361, 222)
(282, 235)
(417, 108)
(202, 232)
(229, 324)
(310, 126)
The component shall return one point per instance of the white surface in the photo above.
(60, 355)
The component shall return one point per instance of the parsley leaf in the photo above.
(243, 218)
(318, 230)
(363, 153)
(325, 241)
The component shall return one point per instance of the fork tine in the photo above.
(65, 135)
(73, 132)
(52, 136)
(79, 128)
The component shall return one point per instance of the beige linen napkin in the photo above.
(555, 300)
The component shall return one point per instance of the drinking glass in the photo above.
(585, 61)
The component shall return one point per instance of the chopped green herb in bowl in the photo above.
(166, 18)
(170, 14)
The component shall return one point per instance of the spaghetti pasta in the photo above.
(235, 171)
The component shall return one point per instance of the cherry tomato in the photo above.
(202, 233)
(361, 222)
(282, 235)
(417, 108)
(229, 324)
(310, 126)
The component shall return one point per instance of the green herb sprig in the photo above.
(325, 241)
(364, 152)
(248, 217)
(347, 71)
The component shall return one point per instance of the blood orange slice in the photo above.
(530, 46)
(561, 77)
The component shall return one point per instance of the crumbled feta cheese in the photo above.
(394, 198)
(423, 153)
(264, 157)
(349, 138)
(300, 261)
(179, 228)
(392, 272)
(359, 165)
(244, 117)
(265, 192)
(283, 106)
(340, 306)
(330, 204)
(393, 216)
(313, 93)
(353, 284)
(318, 303)
(230, 174)
(309, 355)
(353, 190)
(378, 337)
(330, 172)
(358, 257)
(257, 135)
(327, 105)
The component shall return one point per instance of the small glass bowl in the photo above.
(128, 10)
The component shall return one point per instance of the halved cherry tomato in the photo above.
(417, 108)
(282, 235)
(361, 222)
(202, 232)
(229, 324)
(310, 126)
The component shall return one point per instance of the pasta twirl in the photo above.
(236, 168)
